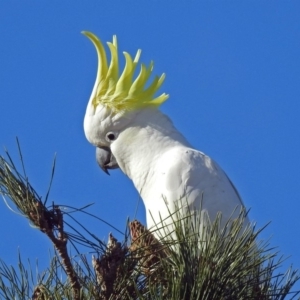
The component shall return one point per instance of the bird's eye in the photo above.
(111, 136)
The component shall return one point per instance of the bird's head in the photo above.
(116, 99)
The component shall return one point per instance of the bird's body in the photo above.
(166, 171)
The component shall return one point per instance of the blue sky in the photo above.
(233, 73)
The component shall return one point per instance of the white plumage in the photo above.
(165, 169)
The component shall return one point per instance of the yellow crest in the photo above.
(123, 93)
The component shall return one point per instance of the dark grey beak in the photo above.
(105, 159)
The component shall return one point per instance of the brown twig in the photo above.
(47, 223)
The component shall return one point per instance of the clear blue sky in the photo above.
(233, 73)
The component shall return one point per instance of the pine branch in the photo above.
(50, 221)
(213, 263)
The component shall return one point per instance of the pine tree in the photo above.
(230, 263)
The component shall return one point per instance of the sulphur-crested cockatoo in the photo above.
(124, 122)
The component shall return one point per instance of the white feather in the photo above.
(166, 170)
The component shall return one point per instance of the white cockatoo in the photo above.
(124, 122)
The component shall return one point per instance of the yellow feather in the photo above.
(123, 93)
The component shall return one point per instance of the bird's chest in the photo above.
(160, 192)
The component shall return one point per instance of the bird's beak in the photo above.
(106, 159)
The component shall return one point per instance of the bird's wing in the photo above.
(192, 175)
